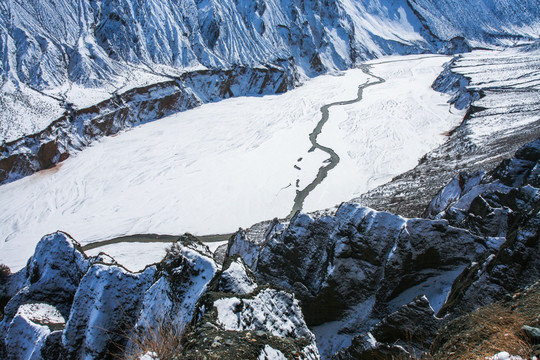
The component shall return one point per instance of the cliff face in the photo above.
(80, 127)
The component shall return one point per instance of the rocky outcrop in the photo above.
(360, 256)
(238, 319)
(72, 306)
(358, 266)
(506, 207)
(408, 331)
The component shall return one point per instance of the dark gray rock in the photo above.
(513, 216)
(366, 347)
(413, 324)
(532, 332)
(335, 263)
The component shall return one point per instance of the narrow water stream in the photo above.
(301, 195)
(333, 161)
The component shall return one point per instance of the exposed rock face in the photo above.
(115, 295)
(238, 319)
(506, 206)
(413, 326)
(358, 265)
(78, 128)
(360, 256)
(71, 306)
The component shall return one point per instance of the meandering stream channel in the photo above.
(333, 161)
(301, 195)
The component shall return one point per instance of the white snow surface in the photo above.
(270, 310)
(436, 289)
(230, 164)
(133, 256)
(237, 279)
(269, 353)
(40, 313)
(504, 355)
(149, 356)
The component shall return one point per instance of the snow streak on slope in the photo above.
(482, 22)
(232, 163)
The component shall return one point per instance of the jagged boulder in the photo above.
(67, 305)
(334, 263)
(169, 305)
(237, 319)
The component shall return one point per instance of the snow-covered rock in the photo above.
(68, 305)
(336, 263)
(106, 301)
(358, 266)
(79, 127)
(238, 318)
(52, 275)
(169, 305)
(236, 277)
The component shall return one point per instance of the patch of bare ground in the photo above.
(492, 329)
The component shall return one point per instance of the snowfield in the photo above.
(235, 162)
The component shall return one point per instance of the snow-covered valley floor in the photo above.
(235, 162)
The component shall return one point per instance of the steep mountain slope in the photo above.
(59, 47)
(87, 42)
(481, 22)
(54, 53)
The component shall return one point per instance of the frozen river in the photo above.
(235, 162)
